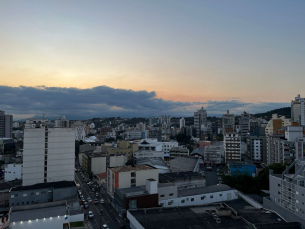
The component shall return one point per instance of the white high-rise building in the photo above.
(298, 110)
(80, 130)
(48, 154)
(62, 122)
(182, 123)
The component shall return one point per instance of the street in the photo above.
(109, 216)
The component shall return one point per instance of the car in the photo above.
(93, 189)
(81, 196)
(80, 193)
(215, 216)
(97, 195)
(86, 205)
(105, 226)
(89, 199)
(95, 201)
(90, 215)
(218, 221)
(102, 201)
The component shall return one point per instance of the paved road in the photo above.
(210, 176)
(108, 217)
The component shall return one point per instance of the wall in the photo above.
(98, 165)
(147, 201)
(165, 191)
(143, 175)
(12, 172)
(30, 196)
(62, 193)
(206, 198)
(116, 161)
(134, 224)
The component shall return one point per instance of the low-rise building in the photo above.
(214, 154)
(148, 154)
(42, 193)
(12, 172)
(178, 151)
(241, 168)
(124, 147)
(128, 176)
(257, 145)
(4, 191)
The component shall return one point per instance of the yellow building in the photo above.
(124, 147)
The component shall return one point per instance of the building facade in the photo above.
(200, 118)
(244, 124)
(232, 146)
(6, 125)
(228, 122)
(13, 172)
(298, 110)
(48, 153)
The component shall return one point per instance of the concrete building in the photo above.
(178, 151)
(152, 121)
(124, 147)
(148, 144)
(58, 214)
(148, 154)
(165, 119)
(157, 163)
(183, 180)
(228, 122)
(42, 193)
(13, 172)
(182, 123)
(99, 162)
(242, 168)
(200, 118)
(5, 188)
(48, 153)
(7, 145)
(80, 131)
(62, 122)
(184, 164)
(214, 153)
(276, 123)
(232, 146)
(257, 145)
(244, 124)
(155, 133)
(128, 176)
(16, 125)
(298, 111)
(6, 125)
(199, 196)
(136, 134)
(287, 193)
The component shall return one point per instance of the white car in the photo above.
(89, 200)
(102, 201)
(90, 215)
(105, 226)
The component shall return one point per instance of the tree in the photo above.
(110, 139)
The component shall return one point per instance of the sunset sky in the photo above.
(243, 55)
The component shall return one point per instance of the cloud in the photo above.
(104, 101)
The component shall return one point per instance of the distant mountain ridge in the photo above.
(286, 111)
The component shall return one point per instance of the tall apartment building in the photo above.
(48, 154)
(62, 122)
(257, 146)
(298, 110)
(244, 124)
(228, 122)
(232, 146)
(276, 123)
(6, 125)
(200, 118)
(80, 130)
(152, 121)
(128, 176)
(287, 193)
(165, 119)
(182, 123)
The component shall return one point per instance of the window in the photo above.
(203, 197)
(16, 195)
(22, 203)
(171, 194)
(25, 195)
(192, 199)
(27, 202)
(220, 194)
(49, 192)
(43, 192)
(32, 193)
(37, 193)
(12, 196)
(161, 195)
(211, 196)
(182, 201)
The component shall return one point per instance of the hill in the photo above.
(281, 111)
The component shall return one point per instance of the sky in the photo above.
(147, 58)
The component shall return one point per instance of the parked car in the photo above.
(102, 201)
(90, 215)
(86, 205)
(105, 226)
(218, 221)
(95, 201)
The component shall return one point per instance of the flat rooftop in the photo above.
(204, 190)
(127, 168)
(10, 184)
(55, 185)
(171, 177)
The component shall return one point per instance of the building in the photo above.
(97, 163)
(228, 122)
(155, 133)
(42, 193)
(152, 121)
(128, 176)
(148, 154)
(157, 163)
(244, 124)
(242, 168)
(62, 122)
(136, 134)
(199, 196)
(80, 131)
(184, 164)
(165, 119)
(298, 111)
(276, 123)
(16, 125)
(58, 214)
(232, 146)
(6, 125)
(214, 154)
(12, 172)
(182, 123)
(7, 145)
(48, 153)
(150, 145)
(287, 193)
(200, 118)
(178, 151)
(136, 197)
(124, 147)
(257, 145)
(5, 188)
(183, 180)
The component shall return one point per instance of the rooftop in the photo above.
(154, 162)
(181, 164)
(10, 184)
(55, 185)
(198, 151)
(127, 168)
(171, 177)
(203, 190)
